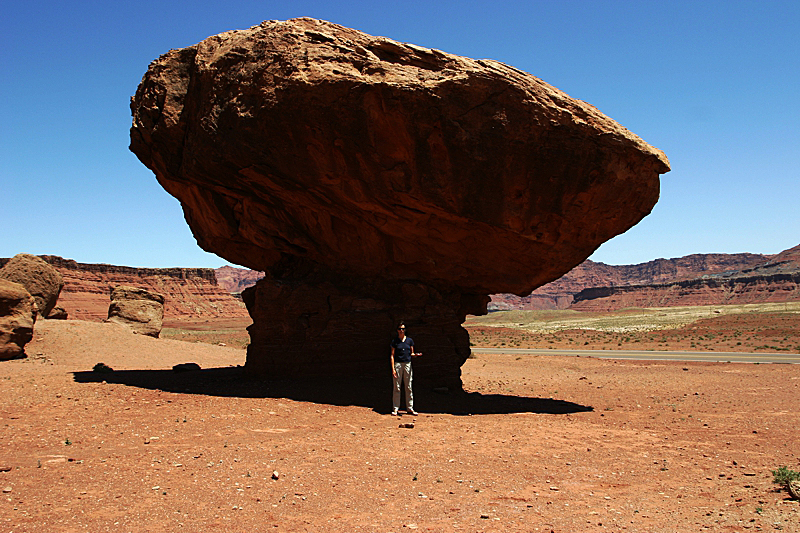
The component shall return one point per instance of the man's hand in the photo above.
(418, 354)
(394, 373)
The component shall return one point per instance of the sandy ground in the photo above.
(561, 444)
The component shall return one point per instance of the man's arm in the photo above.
(391, 359)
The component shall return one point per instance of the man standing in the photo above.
(402, 352)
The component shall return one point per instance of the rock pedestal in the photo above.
(322, 324)
(349, 168)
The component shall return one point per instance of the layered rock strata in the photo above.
(768, 283)
(349, 168)
(190, 293)
(560, 294)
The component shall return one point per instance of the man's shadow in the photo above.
(373, 393)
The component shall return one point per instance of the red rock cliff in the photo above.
(759, 279)
(190, 293)
(589, 274)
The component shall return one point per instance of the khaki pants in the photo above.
(403, 371)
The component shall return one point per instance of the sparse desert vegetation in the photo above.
(736, 328)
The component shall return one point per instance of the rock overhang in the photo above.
(305, 138)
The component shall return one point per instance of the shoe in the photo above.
(395, 413)
(412, 412)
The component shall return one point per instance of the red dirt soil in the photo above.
(561, 444)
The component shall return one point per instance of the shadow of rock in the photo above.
(356, 391)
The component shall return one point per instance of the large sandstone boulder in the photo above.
(374, 181)
(139, 309)
(41, 279)
(17, 316)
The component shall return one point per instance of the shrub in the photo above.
(783, 476)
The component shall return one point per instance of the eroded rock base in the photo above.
(321, 324)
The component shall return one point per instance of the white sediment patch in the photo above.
(623, 321)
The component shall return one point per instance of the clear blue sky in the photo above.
(715, 84)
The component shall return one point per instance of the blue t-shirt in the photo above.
(402, 349)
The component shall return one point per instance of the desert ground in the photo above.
(535, 443)
(752, 328)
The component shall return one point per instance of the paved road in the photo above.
(723, 357)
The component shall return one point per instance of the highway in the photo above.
(651, 355)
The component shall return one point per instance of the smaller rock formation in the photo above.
(17, 316)
(58, 313)
(40, 279)
(139, 309)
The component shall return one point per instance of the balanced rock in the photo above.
(375, 181)
(139, 309)
(40, 279)
(17, 316)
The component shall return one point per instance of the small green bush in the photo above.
(783, 476)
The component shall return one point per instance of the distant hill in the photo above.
(777, 279)
(666, 282)
(792, 255)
